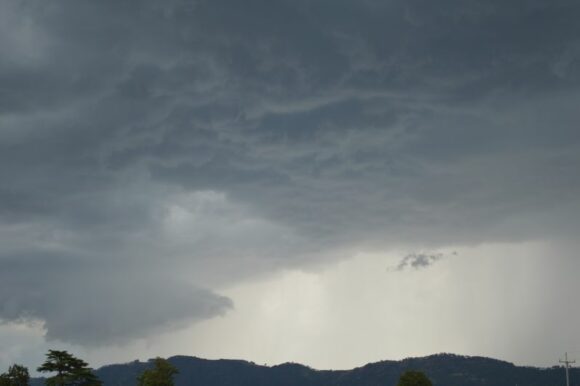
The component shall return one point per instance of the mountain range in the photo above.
(442, 369)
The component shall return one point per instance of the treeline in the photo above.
(67, 370)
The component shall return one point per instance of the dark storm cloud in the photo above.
(91, 304)
(216, 140)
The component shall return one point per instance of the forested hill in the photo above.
(442, 369)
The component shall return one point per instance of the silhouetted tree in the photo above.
(414, 378)
(16, 375)
(160, 375)
(70, 371)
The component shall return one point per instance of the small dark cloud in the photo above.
(418, 260)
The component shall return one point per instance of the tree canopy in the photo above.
(160, 375)
(414, 378)
(70, 371)
(16, 375)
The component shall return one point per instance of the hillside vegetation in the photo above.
(442, 369)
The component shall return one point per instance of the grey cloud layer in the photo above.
(215, 140)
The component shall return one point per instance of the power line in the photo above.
(567, 362)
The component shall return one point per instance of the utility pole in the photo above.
(567, 362)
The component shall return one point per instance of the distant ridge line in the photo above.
(443, 369)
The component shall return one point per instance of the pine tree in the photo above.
(414, 378)
(70, 371)
(16, 375)
(160, 375)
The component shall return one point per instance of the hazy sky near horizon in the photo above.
(326, 182)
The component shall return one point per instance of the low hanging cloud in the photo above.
(212, 142)
(90, 303)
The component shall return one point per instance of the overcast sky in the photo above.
(329, 182)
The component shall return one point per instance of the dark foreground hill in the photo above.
(442, 369)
